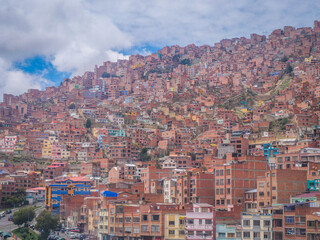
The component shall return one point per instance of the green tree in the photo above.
(23, 216)
(105, 75)
(88, 123)
(45, 223)
(72, 106)
(284, 59)
(144, 156)
(16, 199)
(289, 68)
(185, 61)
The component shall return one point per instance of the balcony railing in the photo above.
(200, 227)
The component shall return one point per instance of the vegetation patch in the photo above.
(25, 233)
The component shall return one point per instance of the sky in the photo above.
(44, 42)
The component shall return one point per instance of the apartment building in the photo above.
(200, 222)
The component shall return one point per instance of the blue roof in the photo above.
(109, 194)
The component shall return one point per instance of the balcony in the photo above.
(197, 215)
(202, 237)
(199, 227)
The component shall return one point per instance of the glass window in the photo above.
(155, 228)
(246, 234)
(256, 223)
(155, 217)
(289, 219)
(246, 223)
(171, 223)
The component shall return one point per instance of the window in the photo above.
(246, 234)
(171, 223)
(190, 233)
(181, 232)
(228, 171)
(217, 191)
(301, 231)
(246, 223)
(144, 217)
(228, 181)
(221, 172)
(222, 235)
(261, 194)
(136, 230)
(256, 223)
(218, 202)
(208, 221)
(171, 232)
(228, 190)
(127, 220)
(312, 224)
(190, 221)
(199, 233)
(289, 231)
(217, 182)
(136, 219)
(112, 210)
(200, 221)
(289, 219)
(256, 235)
(155, 228)
(266, 223)
(261, 204)
(261, 184)
(221, 181)
(266, 235)
(155, 217)
(144, 228)
(112, 219)
(127, 229)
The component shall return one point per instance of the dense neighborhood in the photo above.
(195, 142)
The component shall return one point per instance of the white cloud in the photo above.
(17, 82)
(77, 34)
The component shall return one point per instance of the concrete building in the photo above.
(174, 226)
(228, 232)
(278, 185)
(200, 222)
(256, 226)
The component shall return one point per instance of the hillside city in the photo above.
(195, 142)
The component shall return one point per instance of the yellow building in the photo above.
(103, 223)
(46, 149)
(256, 225)
(174, 226)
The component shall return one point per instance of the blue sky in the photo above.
(44, 42)
(40, 65)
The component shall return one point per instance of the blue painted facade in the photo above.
(269, 151)
(227, 232)
(313, 185)
(54, 192)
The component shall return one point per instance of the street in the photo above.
(8, 226)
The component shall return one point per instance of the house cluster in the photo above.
(209, 142)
